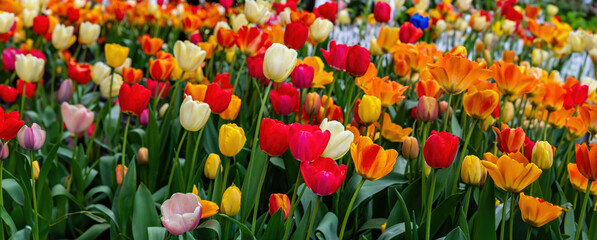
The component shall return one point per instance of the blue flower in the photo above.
(420, 21)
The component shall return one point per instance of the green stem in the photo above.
(445, 122)
(175, 164)
(529, 231)
(193, 160)
(36, 228)
(23, 96)
(582, 67)
(258, 194)
(238, 75)
(159, 94)
(292, 205)
(313, 215)
(347, 214)
(126, 130)
(503, 224)
(582, 210)
(325, 109)
(429, 206)
(462, 154)
(467, 198)
(544, 135)
(225, 179)
(511, 228)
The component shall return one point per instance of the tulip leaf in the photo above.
(392, 232)
(593, 227)
(156, 233)
(275, 226)
(245, 233)
(125, 196)
(328, 226)
(441, 212)
(209, 229)
(251, 182)
(13, 189)
(94, 231)
(301, 228)
(153, 143)
(484, 224)
(144, 213)
(6, 219)
(24, 233)
(369, 189)
(455, 127)
(456, 234)
(399, 213)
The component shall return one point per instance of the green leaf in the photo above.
(369, 189)
(6, 219)
(463, 224)
(24, 233)
(301, 229)
(126, 197)
(275, 227)
(484, 224)
(144, 213)
(94, 231)
(156, 233)
(328, 226)
(245, 233)
(374, 223)
(455, 129)
(209, 229)
(441, 213)
(13, 189)
(392, 232)
(399, 213)
(251, 182)
(456, 234)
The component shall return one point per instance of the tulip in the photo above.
(409, 33)
(115, 54)
(217, 98)
(389, 92)
(108, 89)
(427, 109)
(79, 72)
(512, 174)
(231, 139)
(278, 63)
(256, 12)
(149, 45)
(188, 55)
(507, 112)
(480, 104)
(226, 37)
(440, 149)
(552, 10)
(88, 33)
(7, 19)
(10, 124)
(8, 94)
(393, 132)
(307, 142)
(131, 75)
(9, 56)
(382, 12)
(537, 212)
(191, 22)
(586, 159)
(62, 37)
(133, 100)
(231, 201)
(233, 108)
(323, 176)
(223, 79)
(302, 76)
(285, 99)
(578, 40)
(77, 118)
(327, 10)
(4, 151)
(209, 208)
(238, 21)
(31, 138)
(296, 35)
(28, 16)
(509, 140)
(511, 80)
(343, 17)
(472, 171)
(388, 37)
(273, 137)
(181, 213)
(357, 60)
(158, 89)
(320, 29)
(99, 72)
(410, 148)
(578, 181)
(542, 155)
(65, 92)
(212, 165)
(371, 161)
(143, 156)
(279, 201)
(161, 69)
(369, 109)
(29, 68)
(455, 73)
(336, 55)
(340, 139)
(312, 103)
(255, 67)
(35, 166)
(193, 114)
(588, 114)
(250, 40)
(41, 24)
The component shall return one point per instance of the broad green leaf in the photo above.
(94, 231)
(328, 226)
(251, 182)
(455, 234)
(209, 229)
(6, 219)
(369, 189)
(484, 224)
(13, 189)
(392, 232)
(156, 233)
(275, 227)
(144, 213)
(245, 233)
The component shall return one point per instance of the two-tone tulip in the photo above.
(31, 138)
(371, 161)
(279, 201)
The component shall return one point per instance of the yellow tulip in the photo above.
(211, 166)
(231, 201)
(369, 109)
(472, 171)
(231, 139)
(116, 54)
(512, 174)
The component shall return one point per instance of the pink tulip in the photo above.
(4, 151)
(181, 213)
(77, 118)
(31, 138)
(9, 58)
(65, 92)
(307, 142)
(144, 117)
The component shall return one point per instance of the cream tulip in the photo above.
(578, 40)
(343, 17)
(538, 56)
(28, 16)
(99, 72)
(398, 4)
(255, 11)
(193, 114)
(552, 10)
(127, 63)
(32, 5)
(440, 26)
(29, 68)
(88, 33)
(6, 21)
(508, 26)
(284, 17)
(340, 139)
(188, 55)
(111, 90)
(238, 21)
(320, 29)
(464, 5)
(278, 62)
(62, 36)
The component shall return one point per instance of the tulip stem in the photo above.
(582, 210)
(467, 198)
(126, 130)
(325, 109)
(36, 228)
(462, 154)
(529, 231)
(429, 206)
(23, 96)
(193, 160)
(511, 220)
(347, 214)
(238, 75)
(544, 135)
(258, 194)
(445, 122)
(313, 215)
(226, 170)
(503, 224)
(582, 67)
(175, 164)
(292, 205)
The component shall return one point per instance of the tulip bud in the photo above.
(119, 176)
(105, 85)
(62, 37)
(440, 27)
(88, 33)
(302, 76)
(99, 72)
(211, 166)
(427, 109)
(312, 103)
(507, 112)
(369, 109)
(29, 68)
(35, 166)
(231, 201)
(238, 21)
(410, 148)
(343, 17)
(65, 92)
(115, 54)
(382, 12)
(472, 171)
(279, 201)
(278, 62)
(375, 49)
(552, 10)
(144, 117)
(3, 151)
(542, 155)
(508, 26)
(143, 156)
(188, 55)
(31, 138)
(231, 139)
(443, 106)
(538, 56)
(320, 29)
(163, 109)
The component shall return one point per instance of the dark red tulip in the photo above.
(155, 87)
(133, 99)
(9, 58)
(307, 142)
(41, 24)
(357, 60)
(382, 12)
(528, 148)
(285, 99)
(273, 137)
(296, 35)
(30, 89)
(440, 149)
(255, 66)
(327, 10)
(409, 33)
(8, 93)
(302, 76)
(226, 3)
(323, 176)
(217, 98)
(10, 124)
(336, 55)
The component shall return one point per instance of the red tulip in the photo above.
(255, 66)
(8, 93)
(323, 176)
(302, 76)
(285, 99)
(79, 72)
(10, 124)
(307, 142)
(155, 87)
(382, 12)
(440, 149)
(357, 60)
(36, 53)
(195, 38)
(73, 14)
(41, 24)
(133, 99)
(30, 89)
(296, 35)
(575, 96)
(273, 137)
(217, 98)
(586, 160)
(226, 3)
(327, 10)
(509, 140)
(336, 55)
(250, 39)
(355, 111)
(528, 148)
(409, 33)
(224, 80)
(279, 201)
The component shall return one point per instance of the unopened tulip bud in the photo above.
(163, 109)
(410, 148)
(65, 92)
(343, 17)
(542, 155)
(440, 27)
(369, 109)
(320, 29)
(472, 171)
(312, 103)
(143, 156)
(31, 138)
(375, 49)
(479, 47)
(593, 55)
(231, 139)
(144, 117)
(443, 106)
(509, 26)
(119, 176)
(279, 201)
(427, 109)
(35, 166)
(4, 151)
(507, 112)
(538, 56)
(211, 166)
(231, 201)
(488, 39)
(552, 10)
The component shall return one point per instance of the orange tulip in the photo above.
(401, 65)
(586, 160)
(576, 127)
(455, 73)
(226, 37)
(364, 82)
(429, 88)
(275, 33)
(393, 132)
(250, 39)
(537, 212)
(149, 45)
(480, 104)
(371, 161)
(304, 17)
(119, 177)
(131, 75)
(512, 174)
(208, 47)
(190, 22)
(389, 92)
(388, 38)
(232, 111)
(553, 99)
(509, 140)
(578, 181)
(510, 80)
(558, 118)
(197, 91)
(279, 201)
(160, 69)
(545, 32)
(588, 113)
(209, 208)
(508, 56)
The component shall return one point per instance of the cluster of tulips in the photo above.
(167, 119)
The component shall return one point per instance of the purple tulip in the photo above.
(31, 138)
